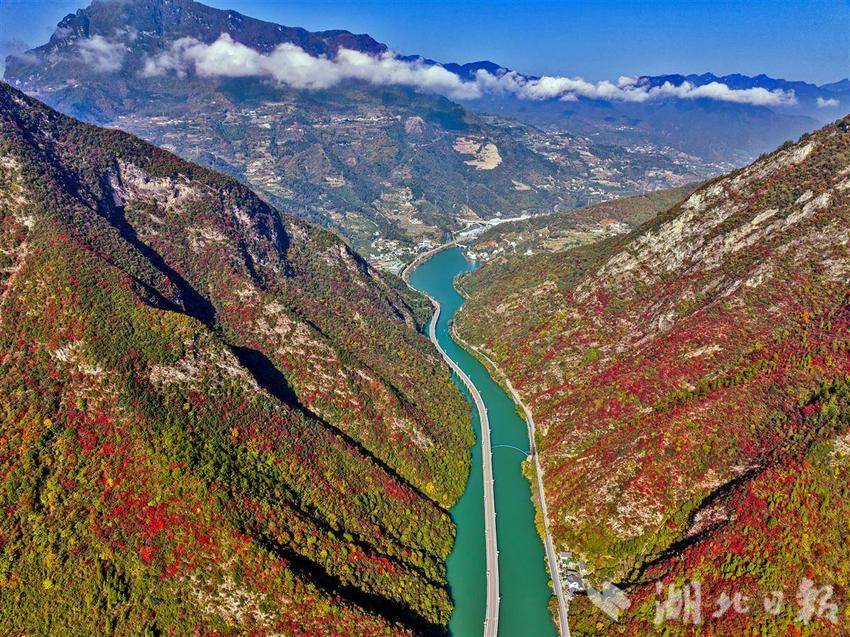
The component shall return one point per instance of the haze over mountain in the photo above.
(731, 118)
(215, 416)
(689, 383)
(338, 129)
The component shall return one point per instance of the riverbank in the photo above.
(422, 258)
(523, 608)
(551, 555)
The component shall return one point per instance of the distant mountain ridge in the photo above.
(806, 93)
(764, 127)
(807, 90)
(714, 130)
(393, 169)
(839, 86)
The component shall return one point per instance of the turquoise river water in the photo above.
(523, 584)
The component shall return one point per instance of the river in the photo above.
(523, 584)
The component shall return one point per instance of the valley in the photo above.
(306, 333)
(393, 169)
(360, 169)
(516, 574)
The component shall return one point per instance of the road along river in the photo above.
(521, 582)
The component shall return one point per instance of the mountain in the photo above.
(810, 100)
(818, 103)
(392, 168)
(715, 131)
(689, 383)
(468, 70)
(148, 22)
(215, 416)
(837, 87)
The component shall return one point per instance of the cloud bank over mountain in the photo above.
(11, 47)
(102, 54)
(291, 65)
(827, 103)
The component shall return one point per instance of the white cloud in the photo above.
(13, 48)
(827, 103)
(386, 69)
(291, 65)
(101, 53)
(627, 89)
(721, 92)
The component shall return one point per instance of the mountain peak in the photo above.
(145, 26)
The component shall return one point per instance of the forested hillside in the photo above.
(213, 416)
(689, 382)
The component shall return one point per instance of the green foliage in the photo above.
(213, 417)
(689, 383)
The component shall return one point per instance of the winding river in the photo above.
(523, 581)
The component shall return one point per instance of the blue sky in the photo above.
(795, 39)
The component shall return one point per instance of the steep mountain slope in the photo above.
(690, 387)
(214, 417)
(387, 166)
(562, 230)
